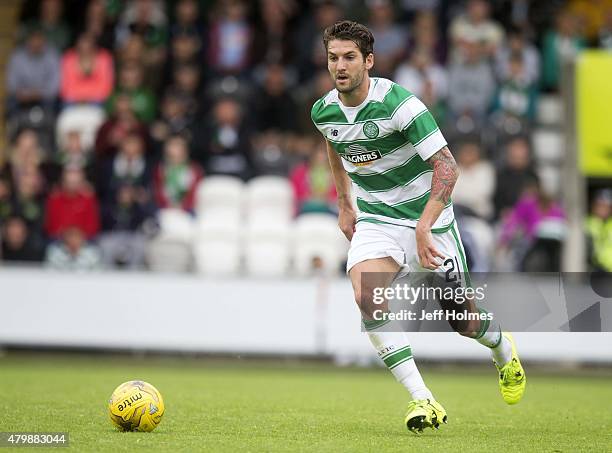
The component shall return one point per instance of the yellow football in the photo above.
(136, 406)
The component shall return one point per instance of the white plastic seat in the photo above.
(550, 179)
(269, 198)
(267, 249)
(548, 146)
(168, 255)
(549, 110)
(176, 225)
(217, 248)
(318, 242)
(86, 119)
(220, 196)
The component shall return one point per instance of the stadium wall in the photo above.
(164, 312)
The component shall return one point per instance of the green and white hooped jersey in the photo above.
(384, 143)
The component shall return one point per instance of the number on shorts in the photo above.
(452, 273)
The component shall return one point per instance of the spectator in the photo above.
(132, 52)
(72, 153)
(176, 178)
(17, 245)
(275, 107)
(72, 252)
(28, 202)
(98, 24)
(273, 41)
(123, 242)
(115, 129)
(128, 167)
(126, 205)
(516, 97)
(311, 53)
(474, 189)
(517, 44)
(33, 74)
(87, 73)
(224, 145)
(186, 49)
(25, 155)
(187, 19)
(186, 85)
(145, 18)
(313, 184)
(599, 231)
(515, 174)
(72, 204)
(475, 32)
(533, 230)
(230, 40)
(471, 87)
(50, 22)
(426, 79)
(425, 36)
(391, 38)
(559, 45)
(142, 99)
(174, 120)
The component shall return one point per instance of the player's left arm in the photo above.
(445, 174)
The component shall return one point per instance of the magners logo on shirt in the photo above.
(360, 156)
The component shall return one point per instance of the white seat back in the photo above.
(269, 198)
(86, 119)
(267, 249)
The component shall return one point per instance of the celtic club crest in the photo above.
(370, 129)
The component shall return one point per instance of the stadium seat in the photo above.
(548, 146)
(269, 198)
(318, 242)
(550, 110)
(220, 197)
(168, 255)
(267, 248)
(175, 224)
(170, 250)
(83, 118)
(217, 248)
(550, 178)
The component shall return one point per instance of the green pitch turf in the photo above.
(236, 406)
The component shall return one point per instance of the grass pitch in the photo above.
(237, 406)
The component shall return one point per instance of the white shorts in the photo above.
(379, 240)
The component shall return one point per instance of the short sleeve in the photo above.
(419, 127)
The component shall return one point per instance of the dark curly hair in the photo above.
(350, 31)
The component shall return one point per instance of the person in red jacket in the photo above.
(72, 204)
(176, 178)
(87, 72)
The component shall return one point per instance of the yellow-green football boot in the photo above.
(512, 379)
(423, 414)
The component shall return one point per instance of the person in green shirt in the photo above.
(130, 82)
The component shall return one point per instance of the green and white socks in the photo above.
(490, 335)
(394, 350)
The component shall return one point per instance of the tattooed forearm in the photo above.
(445, 174)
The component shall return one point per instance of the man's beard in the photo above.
(353, 85)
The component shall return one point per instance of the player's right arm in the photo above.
(346, 213)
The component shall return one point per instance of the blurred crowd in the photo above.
(117, 109)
